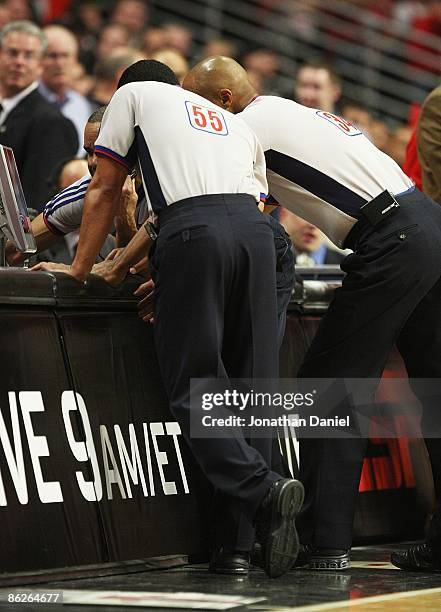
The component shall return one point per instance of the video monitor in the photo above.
(14, 218)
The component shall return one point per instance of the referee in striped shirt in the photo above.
(203, 173)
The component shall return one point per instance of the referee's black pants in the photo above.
(215, 317)
(285, 273)
(285, 278)
(391, 294)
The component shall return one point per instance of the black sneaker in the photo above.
(275, 526)
(224, 561)
(335, 559)
(418, 558)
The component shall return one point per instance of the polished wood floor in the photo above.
(371, 584)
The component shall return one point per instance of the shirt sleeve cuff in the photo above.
(52, 227)
(105, 152)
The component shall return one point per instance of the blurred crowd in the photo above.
(91, 42)
(406, 17)
(104, 37)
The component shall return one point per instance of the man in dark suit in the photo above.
(35, 129)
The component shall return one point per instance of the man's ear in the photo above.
(226, 99)
(337, 93)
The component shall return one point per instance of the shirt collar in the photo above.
(253, 100)
(10, 103)
(51, 96)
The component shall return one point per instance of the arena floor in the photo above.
(372, 584)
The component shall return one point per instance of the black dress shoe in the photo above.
(334, 559)
(275, 526)
(418, 558)
(225, 561)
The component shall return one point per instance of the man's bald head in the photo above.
(222, 81)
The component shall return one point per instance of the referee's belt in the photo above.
(372, 214)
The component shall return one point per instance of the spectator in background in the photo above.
(133, 15)
(55, 10)
(112, 37)
(58, 74)
(67, 172)
(310, 245)
(219, 46)
(318, 86)
(297, 20)
(174, 60)
(429, 144)
(86, 21)
(82, 82)
(21, 10)
(5, 15)
(380, 134)
(404, 14)
(108, 72)
(398, 141)
(358, 115)
(265, 63)
(154, 39)
(179, 38)
(35, 129)
(89, 18)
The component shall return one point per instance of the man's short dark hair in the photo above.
(148, 70)
(97, 115)
(319, 64)
(107, 68)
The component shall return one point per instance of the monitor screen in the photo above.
(14, 218)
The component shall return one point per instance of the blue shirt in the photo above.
(74, 106)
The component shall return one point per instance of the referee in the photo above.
(324, 169)
(203, 172)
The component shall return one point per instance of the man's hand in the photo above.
(129, 199)
(125, 224)
(141, 268)
(109, 271)
(113, 273)
(114, 253)
(146, 304)
(46, 266)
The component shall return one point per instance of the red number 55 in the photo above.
(206, 119)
